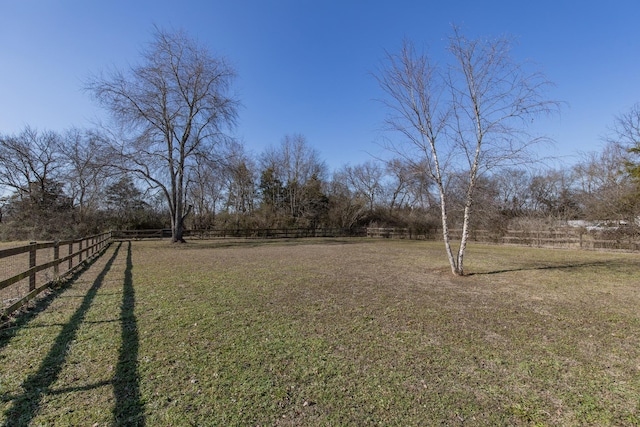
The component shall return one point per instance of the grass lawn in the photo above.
(330, 332)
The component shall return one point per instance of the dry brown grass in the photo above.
(336, 332)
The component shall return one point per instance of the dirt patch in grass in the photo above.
(331, 332)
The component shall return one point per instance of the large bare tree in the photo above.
(173, 108)
(469, 116)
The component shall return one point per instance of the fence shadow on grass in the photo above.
(129, 409)
(21, 319)
(36, 386)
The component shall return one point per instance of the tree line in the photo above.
(63, 185)
(460, 156)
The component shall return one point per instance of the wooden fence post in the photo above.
(56, 257)
(32, 263)
(80, 252)
(70, 257)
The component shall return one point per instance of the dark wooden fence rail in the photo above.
(42, 264)
(565, 238)
(253, 233)
(562, 238)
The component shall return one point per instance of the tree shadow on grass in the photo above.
(572, 266)
(129, 409)
(280, 241)
(36, 386)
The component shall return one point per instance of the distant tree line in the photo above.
(61, 185)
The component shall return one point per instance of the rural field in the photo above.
(330, 332)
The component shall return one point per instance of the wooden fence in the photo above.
(253, 233)
(562, 238)
(26, 271)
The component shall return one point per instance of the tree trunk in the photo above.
(177, 231)
(445, 234)
(463, 240)
(177, 225)
(177, 222)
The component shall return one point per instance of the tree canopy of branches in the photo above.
(30, 161)
(467, 118)
(174, 108)
(86, 167)
(290, 181)
(626, 133)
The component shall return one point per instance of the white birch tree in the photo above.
(468, 116)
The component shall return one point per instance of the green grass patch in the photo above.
(331, 332)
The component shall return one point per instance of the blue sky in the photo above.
(305, 66)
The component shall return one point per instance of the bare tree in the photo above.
(513, 191)
(366, 181)
(286, 169)
(553, 195)
(32, 170)
(205, 191)
(240, 175)
(398, 188)
(174, 107)
(469, 117)
(84, 153)
(407, 185)
(626, 133)
(346, 209)
(604, 189)
(29, 162)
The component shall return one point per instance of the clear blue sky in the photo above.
(305, 66)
